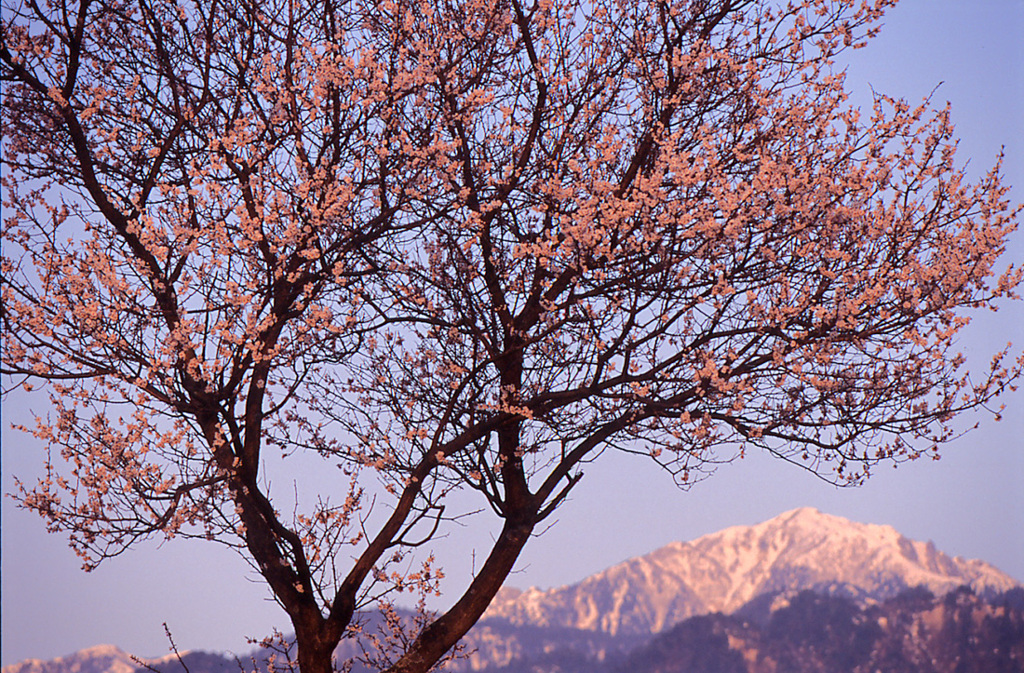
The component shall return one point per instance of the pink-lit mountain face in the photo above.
(111, 659)
(97, 659)
(797, 550)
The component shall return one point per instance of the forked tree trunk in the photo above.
(443, 634)
(316, 647)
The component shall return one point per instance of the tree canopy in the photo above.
(467, 244)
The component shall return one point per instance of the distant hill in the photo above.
(111, 659)
(803, 587)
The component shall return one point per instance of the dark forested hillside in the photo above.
(915, 632)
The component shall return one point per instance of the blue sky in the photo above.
(970, 503)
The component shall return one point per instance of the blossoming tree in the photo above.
(467, 244)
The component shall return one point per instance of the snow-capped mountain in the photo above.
(797, 550)
(98, 659)
(111, 659)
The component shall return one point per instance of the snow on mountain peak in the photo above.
(95, 659)
(799, 549)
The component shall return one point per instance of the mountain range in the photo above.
(799, 549)
(743, 599)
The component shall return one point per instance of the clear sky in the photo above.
(970, 503)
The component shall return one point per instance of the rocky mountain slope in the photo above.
(797, 550)
(914, 632)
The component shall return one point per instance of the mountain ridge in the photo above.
(104, 658)
(799, 549)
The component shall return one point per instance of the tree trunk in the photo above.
(448, 629)
(315, 651)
